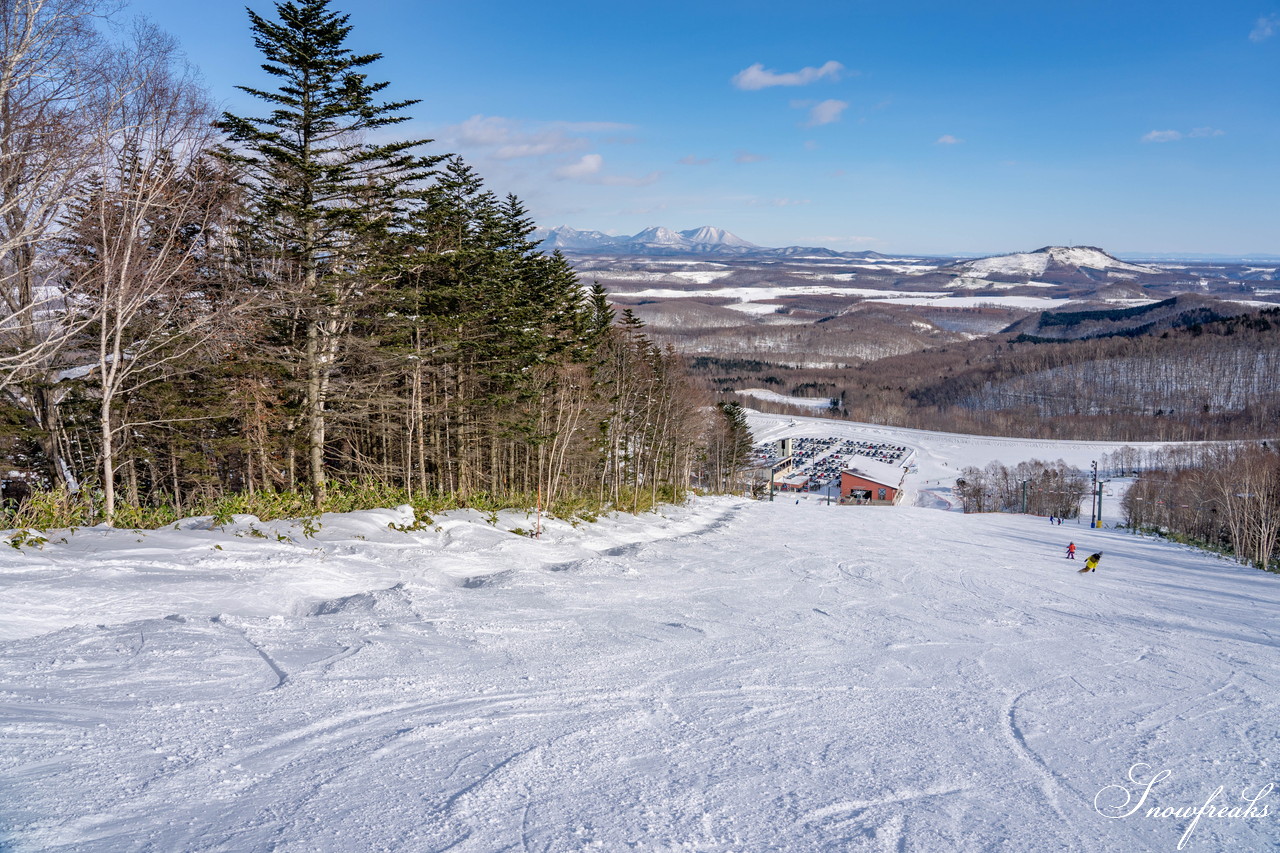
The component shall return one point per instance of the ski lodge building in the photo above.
(872, 483)
(792, 483)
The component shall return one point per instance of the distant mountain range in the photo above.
(1162, 257)
(659, 240)
(708, 240)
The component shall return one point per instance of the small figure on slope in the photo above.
(1091, 564)
(1071, 550)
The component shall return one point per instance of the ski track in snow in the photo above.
(736, 676)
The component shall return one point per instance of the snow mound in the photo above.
(383, 603)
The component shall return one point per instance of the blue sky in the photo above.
(929, 127)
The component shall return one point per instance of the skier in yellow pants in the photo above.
(1091, 564)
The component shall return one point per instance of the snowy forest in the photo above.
(1033, 486)
(294, 307)
(1223, 497)
(1207, 382)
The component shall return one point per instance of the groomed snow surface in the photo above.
(725, 676)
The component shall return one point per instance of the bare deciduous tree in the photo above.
(52, 69)
(144, 236)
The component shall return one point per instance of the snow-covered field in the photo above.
(765, 292)
(1023, 303)
(775, 397)
(725, 676)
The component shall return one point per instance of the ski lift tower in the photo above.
(1095, 503)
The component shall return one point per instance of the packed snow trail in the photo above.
(767, 676)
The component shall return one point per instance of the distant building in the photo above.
(872, 484)
(781, 469)
(793, 483)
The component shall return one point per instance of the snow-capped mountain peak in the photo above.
(659, 235)
(660, 240)
(565, 237)
(707, 235)
(1036, 263)
(1091, 257)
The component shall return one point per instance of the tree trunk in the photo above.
(315, 413)
(108, 464)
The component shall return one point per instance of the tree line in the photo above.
(1224, 496)
(1034, 486)
(200, 305)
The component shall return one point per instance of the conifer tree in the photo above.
(600, 314)
(324, 197)
(728, 446)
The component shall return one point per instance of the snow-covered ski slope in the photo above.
(727, 676)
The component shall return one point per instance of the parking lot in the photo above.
(822, 459)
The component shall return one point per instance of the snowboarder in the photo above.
(1091, 564)
(1071, 550)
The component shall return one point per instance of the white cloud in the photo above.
(587, 165)
(690, 160)
(1175, 135)
(510, 139)
(1264, 28)
(748, 157)
(948, 139)
(589, 169)
(757, 77)
(550, 144)
(826, 112)
(482, 130)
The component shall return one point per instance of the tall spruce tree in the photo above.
(324, 199)
(728, 446)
